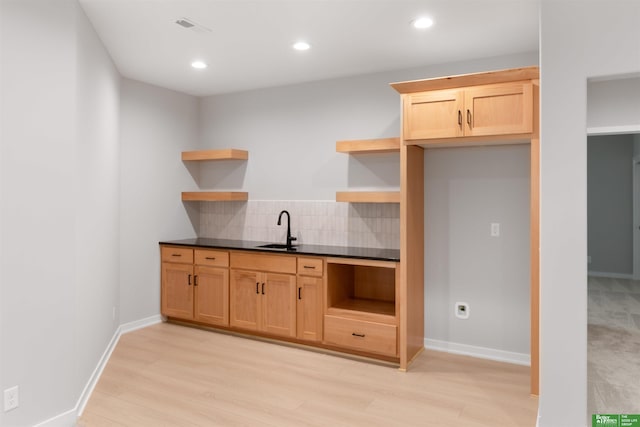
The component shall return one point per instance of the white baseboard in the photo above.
(66, 419)
(480, 352)
(69, 418)
(610, 275)
(139, 324)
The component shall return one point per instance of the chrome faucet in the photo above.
(289, 238)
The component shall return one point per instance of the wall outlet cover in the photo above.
(461, 310)
(11, 398)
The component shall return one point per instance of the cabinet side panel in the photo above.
(412, 253)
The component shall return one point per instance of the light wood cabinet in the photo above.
(177, 290)
(362, 307)
(211, 286)
(195, 292)
(492, 108)
(486, 110)
(309, 298)
(261, 298)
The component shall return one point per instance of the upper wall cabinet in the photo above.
(499, 109)
(468, 108)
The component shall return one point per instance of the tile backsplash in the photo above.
(370, 225)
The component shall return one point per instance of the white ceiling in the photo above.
(249, 45)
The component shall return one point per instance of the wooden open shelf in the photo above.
(368, 196)
(380, 145)
(223, 154)
(383, 308)
(214, 196)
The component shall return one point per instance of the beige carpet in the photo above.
(614, 346)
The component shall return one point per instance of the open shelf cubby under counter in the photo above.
(362, 289)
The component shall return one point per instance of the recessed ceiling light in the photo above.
(422, 23)
(200, 65)
(301, 46)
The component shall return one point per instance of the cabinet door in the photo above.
(244, 294)
(309, 312)
(211, 287)
(279, 304)
(499, 109)
(177, 290)
(433, 114)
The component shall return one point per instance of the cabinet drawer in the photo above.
(360, 335)
(261, 262)
(212, 258)
(310, 266)
(179, 255)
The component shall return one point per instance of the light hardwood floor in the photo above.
(171, 375)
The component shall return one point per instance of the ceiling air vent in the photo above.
(192, 25)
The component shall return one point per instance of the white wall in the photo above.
(156, 125)
(613, 102)
(578, 40)
(291, 132)
(59, 184)
(467, 189)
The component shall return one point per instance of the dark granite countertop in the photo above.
(318, 250)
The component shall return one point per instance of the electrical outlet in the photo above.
(495, 229)
(11, 398)
(461, 310)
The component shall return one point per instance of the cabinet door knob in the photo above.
(459, 118)
(189, 281)
(195, 280)
(469, 118)
(299, 295)
(263, 288)
(257, 285)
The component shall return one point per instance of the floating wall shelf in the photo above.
(381, 145)
(214, 196)
(224, 154)
(368, 196)
(364, 146)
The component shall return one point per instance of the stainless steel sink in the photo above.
(277, 246)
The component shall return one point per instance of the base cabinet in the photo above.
(177, 290)
(212, 295)
(263, 302)
(361, 335)
(309, 299)
(195, 292)
(336, 303)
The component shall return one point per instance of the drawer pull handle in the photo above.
(312, 267)
(357, 335)
(299, 296)
(212, 258)
(459, 118)
(189, 282)
(195, 280)
(176, 254)
(257, 285)
(469, 118)
(262, 288)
